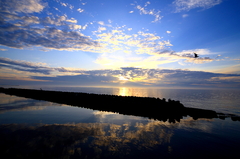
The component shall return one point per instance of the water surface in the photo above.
(31, 128)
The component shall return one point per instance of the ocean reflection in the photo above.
(14, 103)
(93, 140)
(105, 140)
(6, 99)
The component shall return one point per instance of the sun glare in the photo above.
(121, 78)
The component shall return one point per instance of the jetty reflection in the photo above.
(153, 108)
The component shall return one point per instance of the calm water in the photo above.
(41, 129)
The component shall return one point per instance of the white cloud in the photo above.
(58, 21)
(101, 29)
(50, 38)
(143, 43)
(21, 33)
(101, 22)
(188, 56)
(56, 8)
(80, 10)
(17, 31)
(186, 5)
(168, 32)
(152, 12)
(71, 7)
(198, 51)
(24, 6)
(75, 27)
(64, 4)
(3, 49)
(131, 11)
(185, 15)
(72, 20)
(84, 26)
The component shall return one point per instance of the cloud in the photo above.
(80, 10)
(186, 5)
(188, 56)
(20, 31)
(67, 5)
(72, 20)
(101, 22)
(149, 77)
(57, 21)
(3, 49)
(50, 38)
(142, 49)
(116, 60)
(125, 76)
(153, 12)
(52, 33)
(141, 42)
(24, 6)
(39, 68)
(149, 51)
(232, 78)
(168, 32)
(24, 66)
(185, 15)
(100, 29)
(63, 4)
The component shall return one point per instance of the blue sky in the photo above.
(120, 43)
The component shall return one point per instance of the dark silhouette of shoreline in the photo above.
(153, 108)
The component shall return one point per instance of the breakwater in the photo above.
(153, 108)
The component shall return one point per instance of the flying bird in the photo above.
(195, 55)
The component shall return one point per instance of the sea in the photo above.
(40, 129)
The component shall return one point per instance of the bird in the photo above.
(195, 55)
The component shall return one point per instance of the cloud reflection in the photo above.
(14, 103)
(93, 140)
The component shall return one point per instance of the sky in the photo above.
(120, 43)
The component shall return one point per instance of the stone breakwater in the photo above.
(153, 108)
